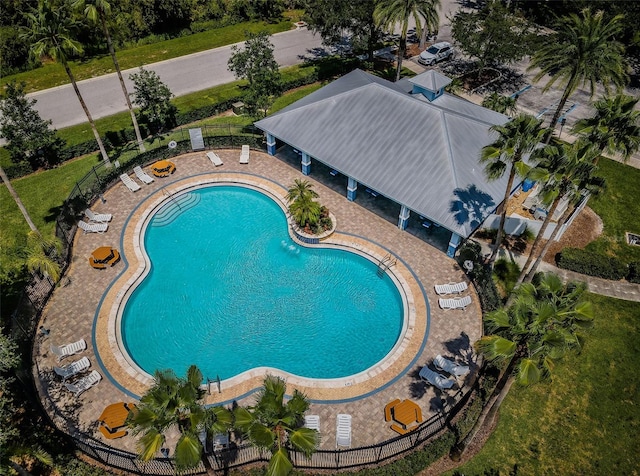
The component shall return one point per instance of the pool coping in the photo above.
(132, 380)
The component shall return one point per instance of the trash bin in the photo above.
(527, 184)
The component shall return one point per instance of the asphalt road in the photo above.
(183, 75)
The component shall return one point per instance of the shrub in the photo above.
(592, 264)
(634, 272)
(506, 273)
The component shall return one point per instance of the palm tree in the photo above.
(582, 50)
(615, 126)
(389, 13)
(539, 328)
(100, 10)
(566, 172)
(305, 211)
(542, 325)
(16, 198)
(516, 140)
(273, 424)
(41, 253)
(300, 189)
(49, 33)
(499, 103)
(176, 402)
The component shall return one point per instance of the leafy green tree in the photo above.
(256, 63)
(176, 402)
(615, 126)
(28, 135)
(49, 33)
(516, 140)
(276, 426)
(99, 10)
(154, 99)
(566, 172)
(499, 103)
(583, 50)
(339, 18)
(492, 34)
(389, 13)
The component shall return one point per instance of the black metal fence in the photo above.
(238, 455)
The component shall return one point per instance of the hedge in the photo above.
(592, 264)
(634, 272)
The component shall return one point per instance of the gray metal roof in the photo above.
(417, 153)
(431, 80)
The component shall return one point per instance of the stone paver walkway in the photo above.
(72, 311)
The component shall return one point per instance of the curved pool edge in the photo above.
(128, 376)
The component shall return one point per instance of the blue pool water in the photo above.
(229, 290)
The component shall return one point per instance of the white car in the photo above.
(436, 52)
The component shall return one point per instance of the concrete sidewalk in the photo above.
(615, 289)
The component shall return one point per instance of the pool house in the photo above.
(408, 141)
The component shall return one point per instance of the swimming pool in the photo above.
(228, 290)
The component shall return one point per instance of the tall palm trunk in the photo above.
(556, 115)
(565, 216)
(122, 85)
(16, 198)
(537, 241)
(503, 216)
(103, 152)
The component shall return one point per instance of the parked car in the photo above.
(437, 52)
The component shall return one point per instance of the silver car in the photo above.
(436, 52)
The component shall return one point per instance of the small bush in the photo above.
(506, 273)
(634, 272)
(592, 264)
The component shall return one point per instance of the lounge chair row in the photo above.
(343, 427)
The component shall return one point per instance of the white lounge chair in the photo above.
(343, 430)
(450, 366)
(73, 368)
(312, 422)
(93, 227)
(455, 303)
(451, 288)
(85, 383)
(435, 379)
(213, 157)
(98, 217)
(244, 155)
(142, 175)
(129, 183)
(68, 349)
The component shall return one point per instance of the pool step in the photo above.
(174, 208)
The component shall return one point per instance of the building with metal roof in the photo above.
(409, 141)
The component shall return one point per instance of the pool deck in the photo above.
(85, 306)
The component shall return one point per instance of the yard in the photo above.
(586, 420)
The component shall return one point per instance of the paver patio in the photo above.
(72, 310)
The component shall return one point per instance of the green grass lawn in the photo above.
(619, 209)
(586, 421)
(53, 74)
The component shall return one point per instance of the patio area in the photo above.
(73, 310)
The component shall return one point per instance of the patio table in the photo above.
(163, 168)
